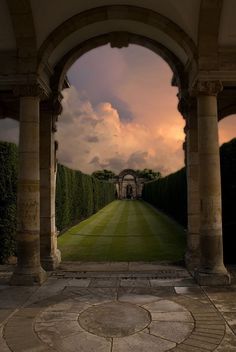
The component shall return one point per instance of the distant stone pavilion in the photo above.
(129, 185)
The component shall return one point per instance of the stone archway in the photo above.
(129, 185)
(34, 80)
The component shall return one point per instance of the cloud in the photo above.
(131, 108)
(98, 78)
(116, 163)
(95, 160)
(121, 112)
(227, 129)
(137, 158)
(93, 137)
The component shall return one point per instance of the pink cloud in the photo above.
(121, 111)
(227, 129)
(142, 81)
(115, 144)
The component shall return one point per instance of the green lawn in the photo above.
(127, 230)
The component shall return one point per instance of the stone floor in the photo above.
(117, 307)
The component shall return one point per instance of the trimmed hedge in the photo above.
(169, 194)
(8, 179)
(78, 196)
(228, 188)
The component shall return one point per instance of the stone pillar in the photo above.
(192, 257)
(211, 270)
(188, 109)
(28, 270)
(50, 255)
(120, 189)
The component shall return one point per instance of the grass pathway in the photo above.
(124, 231)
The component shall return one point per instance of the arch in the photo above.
(134, 184)
(60, 70)
(178, 40)
(125, 172)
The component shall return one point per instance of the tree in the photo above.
(104, 175)
(148, 174)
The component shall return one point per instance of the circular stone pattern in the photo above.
(114, 319)
(134, 322)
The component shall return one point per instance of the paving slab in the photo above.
(105, 282)
(134, 283)
(83, 282)
(82, 311)
(228, 343)
(172, 331)
(141, 342)
(14, 296)
(170, 282)
(139, 299)
(114, 319)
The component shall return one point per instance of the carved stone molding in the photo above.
(206, 88)
(53, 108)
(31, 90)
(54, 123)
(187, 106)
(55, 155)
(53, 104)
(119, 40)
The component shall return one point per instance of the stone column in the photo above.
(120, 189)
(28, 270)
(192, 257)
(50, 255)
(211, 270)
(188, 109)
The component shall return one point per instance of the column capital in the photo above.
(206, 88)
(30, 90)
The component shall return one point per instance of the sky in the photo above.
(120, 112)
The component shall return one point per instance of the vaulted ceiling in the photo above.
(38, 34)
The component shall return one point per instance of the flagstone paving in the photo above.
(94, 310)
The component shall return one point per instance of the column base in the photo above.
(51, 262)
(192, 260)
(28, 277)
(212, 279)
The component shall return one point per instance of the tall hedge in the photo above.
(78, 196)
(228, 188)
(8, 179)
(169, 194)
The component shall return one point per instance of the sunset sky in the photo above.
(120, 112)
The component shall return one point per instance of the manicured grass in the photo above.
(127, 230)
